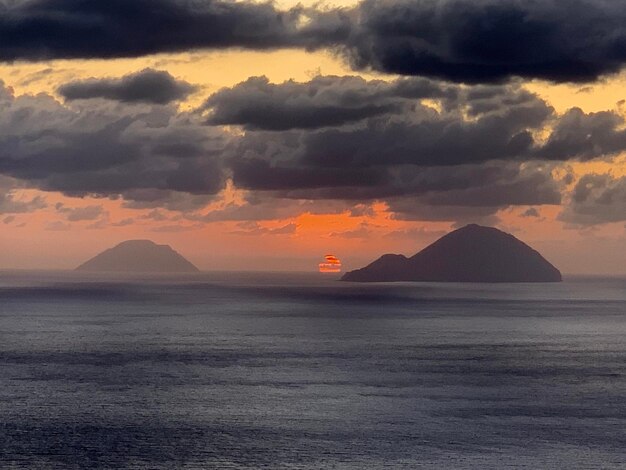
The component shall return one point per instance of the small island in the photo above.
(470, 254)
(139, 256)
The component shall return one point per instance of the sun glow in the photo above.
(331, 265)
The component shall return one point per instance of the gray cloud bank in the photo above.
(432, 150)
(48, 29)
(458, 40)
(139, 152)
(328, 101)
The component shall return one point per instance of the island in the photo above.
(139, 256)
(470, 254)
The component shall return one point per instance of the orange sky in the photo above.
(45, 238)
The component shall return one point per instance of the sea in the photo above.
(302, 371)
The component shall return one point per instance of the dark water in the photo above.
(298, 371)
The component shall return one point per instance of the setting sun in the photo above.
(331, 265)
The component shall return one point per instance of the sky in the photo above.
(264, 136)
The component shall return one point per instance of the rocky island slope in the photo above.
(470, 254)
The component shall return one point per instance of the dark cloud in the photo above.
(146, 86)
(106, 150)
(457, 40)
(597, 199)
(475, 192)
(585, 136)
(443, 140)
(527, 187)
(321, 102)
(530, 212)
(490, 40)
(52, 29)
(414, 210)
(419, 151)
(165, 199)
(380, 156)
(476, 125)
(257, 174)
(469, 158)
(436, 193)
(491, 184)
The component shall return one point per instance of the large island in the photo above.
(470, 254)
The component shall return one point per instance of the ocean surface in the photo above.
(247, 371)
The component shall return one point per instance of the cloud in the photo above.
(452, 152)
(415, 210)
(322, 102)
(462, 149)
(154, 214)
(489, 40)
(362, 232)
(71, 29)
(362, 210)
(430, 193)
(585, 136)
(124, 222)
(530, 212)
(478, 124)
(254, 229)
(596, 199)
(528, 186)
(475, 184)
(179, 201)
(285, 229)
(108, 150)
(146, 86)
(478, 197)
(480, 148)
(457, 40)
(77, 214)
(264, 206)
(258, 174)
(172, 228)
(11, 202)
(58, 226)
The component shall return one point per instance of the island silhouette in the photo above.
(139, 256)
(470, 254)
